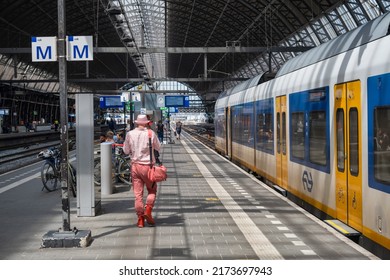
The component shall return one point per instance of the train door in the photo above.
(281, 149)
(228, 133)
(348, 154)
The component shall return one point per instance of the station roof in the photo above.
(208, 45)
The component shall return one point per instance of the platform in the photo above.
(207, 209)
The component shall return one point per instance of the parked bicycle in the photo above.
(121, 166)
(51, 171)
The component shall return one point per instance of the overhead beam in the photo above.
(171, 50)
(125, 80)
(120, 91)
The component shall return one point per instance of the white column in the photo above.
(106, 168)
(88, 201)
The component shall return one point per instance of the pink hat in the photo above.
(142, 120)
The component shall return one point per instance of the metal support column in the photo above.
(61, 47)
(65, 237)
(205, 65)
(131, 111)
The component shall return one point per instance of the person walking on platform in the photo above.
(137, 145)
(160, 131)
(178, 130)
(112, 125)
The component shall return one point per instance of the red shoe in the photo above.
(148, 216)
(141, 222)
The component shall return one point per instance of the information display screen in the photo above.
(177, 101)
(174, 101)
(111, 102)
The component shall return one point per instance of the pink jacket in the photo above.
(137, 145)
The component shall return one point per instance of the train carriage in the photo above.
(320, 131)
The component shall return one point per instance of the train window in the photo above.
(317, 137)
(265, 135)
(236, 123)
(284, 133)
(340, 140)
(242, 127)
(382, 145)
(220, 123)
(246, 130)
(297, 135)
(309, 128)
(353, 142)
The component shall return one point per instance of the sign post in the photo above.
(63, 114)
(65, 237)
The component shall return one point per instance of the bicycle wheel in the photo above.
(96, 172)
(124, 172)
(49, 176)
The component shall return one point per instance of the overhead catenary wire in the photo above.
(210, 36)
(185, 37)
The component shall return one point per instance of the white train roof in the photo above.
(368, 32)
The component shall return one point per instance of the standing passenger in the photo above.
(112, 125)
(120, 138)
(102, 138)
(160, 131)
(110, 137)
(137, 145)
(178, 129)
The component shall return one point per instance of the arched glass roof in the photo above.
(154, 40)
(147, 20)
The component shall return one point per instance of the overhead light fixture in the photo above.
(127, 39)
(113, 9)
(119, 18)
(119, 26)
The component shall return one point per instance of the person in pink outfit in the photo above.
(137, 145)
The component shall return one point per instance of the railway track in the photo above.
(18, 157)
(26, 153)
(21, 149)
(20, 153)
(204, 133)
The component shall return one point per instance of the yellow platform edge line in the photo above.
(336, 226)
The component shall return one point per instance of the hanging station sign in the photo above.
(79, 48)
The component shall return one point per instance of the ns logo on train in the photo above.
(307, 181)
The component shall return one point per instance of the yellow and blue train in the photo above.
(320, 130)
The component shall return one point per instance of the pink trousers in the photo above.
(139, 173)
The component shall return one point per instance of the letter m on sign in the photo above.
(41, 55)
(76, 52)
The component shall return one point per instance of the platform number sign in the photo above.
(78, 48)
(44, 49)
